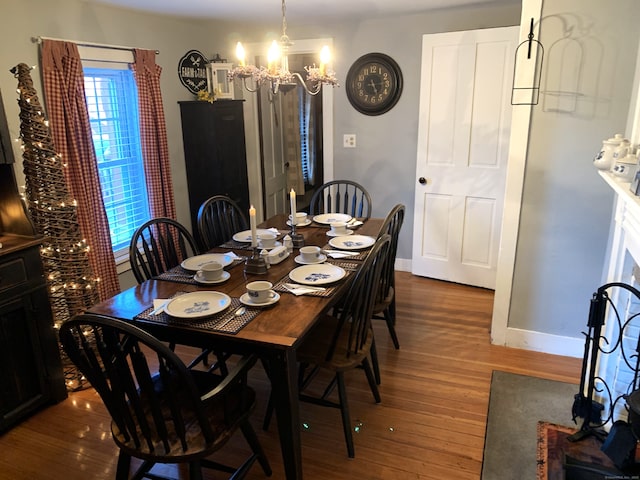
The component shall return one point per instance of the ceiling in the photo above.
(269, 10)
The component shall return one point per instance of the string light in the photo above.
(63, 251)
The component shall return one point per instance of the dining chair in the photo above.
(161, 411)
(159, 245)
(219, 217)
(341, 341)
(384, 307)
(341, 196)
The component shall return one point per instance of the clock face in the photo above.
(374, 84)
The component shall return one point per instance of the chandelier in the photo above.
(276, 74)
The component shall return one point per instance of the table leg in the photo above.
(284, 384)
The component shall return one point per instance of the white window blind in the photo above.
(112, 101)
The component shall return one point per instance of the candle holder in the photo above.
(297, 239)
(255, 264)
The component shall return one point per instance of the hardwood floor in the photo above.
(430, 424)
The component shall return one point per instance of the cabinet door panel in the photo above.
(23, 375)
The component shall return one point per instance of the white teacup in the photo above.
(301, 217)
(339, 228)
(310, 254)
(267, 240)
(260, 291)
(210, 271)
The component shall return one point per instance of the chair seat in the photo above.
(318, 342)
(382, 304)
(223, 413)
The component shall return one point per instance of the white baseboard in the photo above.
(544, 342)
(527, 339)
(403, 264)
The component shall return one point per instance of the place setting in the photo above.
(302, 219)
(317, 279)
(310, 255)
(204, 309)
(202, 269)
(259, 294)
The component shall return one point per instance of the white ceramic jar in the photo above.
(625, 168)
(604, 159)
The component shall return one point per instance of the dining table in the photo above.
(272, 332)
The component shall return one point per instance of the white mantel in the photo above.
(625, 231)
(621, 265)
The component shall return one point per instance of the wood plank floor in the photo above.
(430, 424)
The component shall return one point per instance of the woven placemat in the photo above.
(348, 266)
(180, 275)
(226, 321)
(361, 255)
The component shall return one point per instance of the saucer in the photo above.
(303, 224)
(332, 234)
(245, 299)
(223, 278)
(322, 258)
(277, 244)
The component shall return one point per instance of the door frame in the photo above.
(518, 146)
(252, 130)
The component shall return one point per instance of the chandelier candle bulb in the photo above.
(240, 54)
(325, 57)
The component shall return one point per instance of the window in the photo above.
(112, 102)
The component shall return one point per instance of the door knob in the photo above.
(286, 165)
(422, 180)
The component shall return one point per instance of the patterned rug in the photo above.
(555, 450)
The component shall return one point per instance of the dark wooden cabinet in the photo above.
(31, 373)
(214, 152)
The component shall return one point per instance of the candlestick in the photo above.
(252, 221)
(294, 208)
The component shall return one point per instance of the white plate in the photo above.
(193, 264)
(245, 299)
(355, 242)
(223, 278)
(303, 224)
(329, 218)
(331, 233)
(245, 236)
(322, 258)
(320, 274)
(198, 304)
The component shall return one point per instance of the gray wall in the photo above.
(567, 207)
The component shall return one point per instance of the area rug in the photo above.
(555, 450)
(516, 404)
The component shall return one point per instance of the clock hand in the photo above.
(375, 90)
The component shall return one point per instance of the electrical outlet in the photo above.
(349, 140)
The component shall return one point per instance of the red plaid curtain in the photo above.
(153, 135)
(63, 82)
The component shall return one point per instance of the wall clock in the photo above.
(374, 83)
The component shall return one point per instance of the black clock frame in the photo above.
(352, 93)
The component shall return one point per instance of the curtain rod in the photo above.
(86, 44)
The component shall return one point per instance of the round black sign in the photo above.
(192, 71)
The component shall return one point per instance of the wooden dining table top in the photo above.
(281, 325)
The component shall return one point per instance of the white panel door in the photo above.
(274, 169)
(463, 145)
